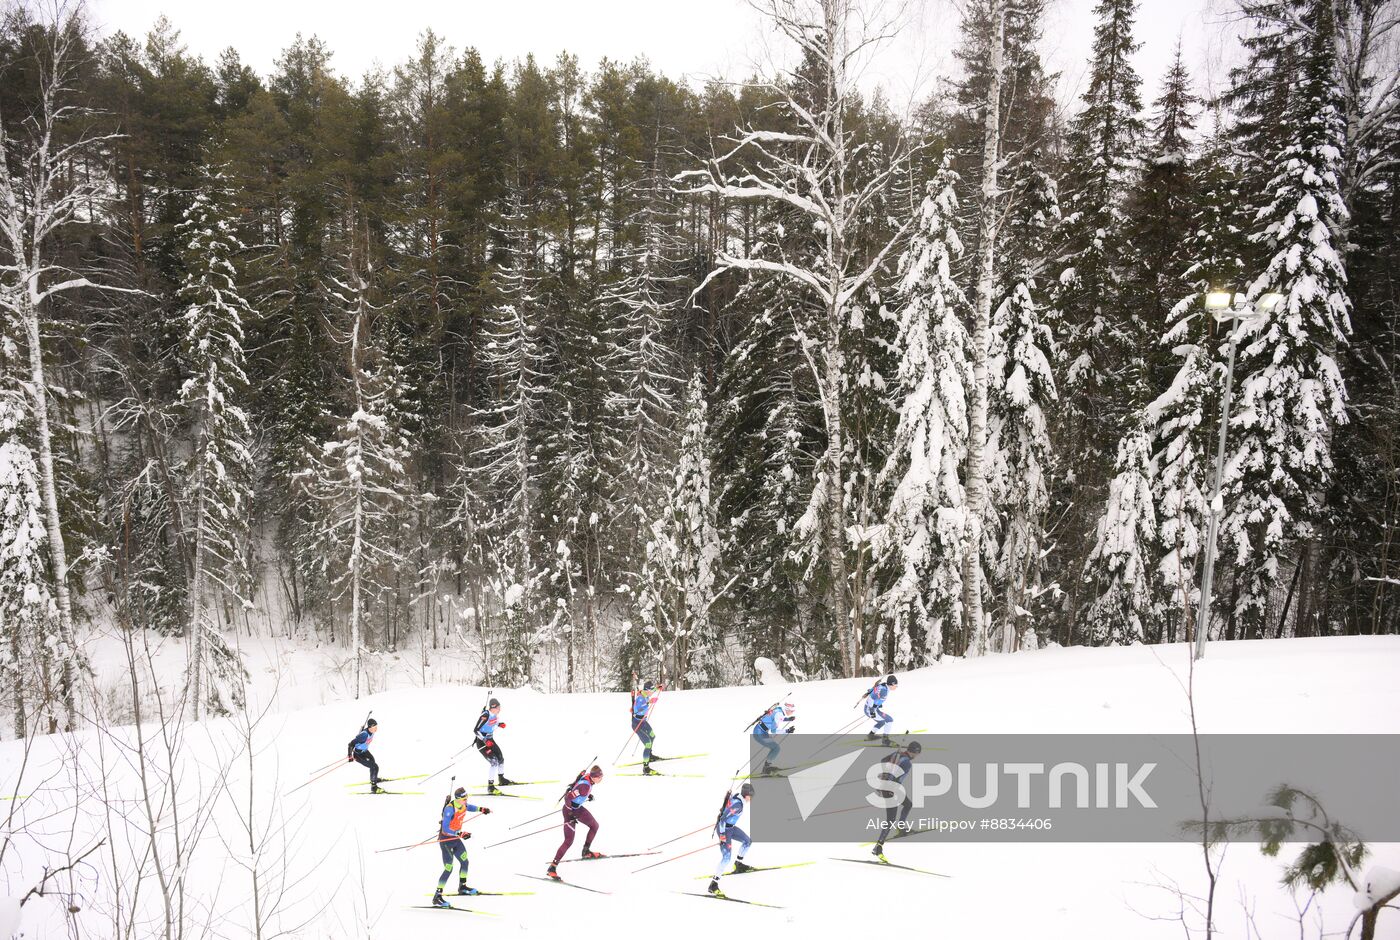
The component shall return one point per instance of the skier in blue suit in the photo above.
(727, 827)
(896, 768)
(776, 720)
(484, 733)
(643, 701)
(875, 707)
(358, 751)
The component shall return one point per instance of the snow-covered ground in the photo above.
(337, 885)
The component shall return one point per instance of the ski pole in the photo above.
(426, 841)
(536, 819)
(528, 834)
(449, 763)
(326, 766)
(680, 837)
(325, 773)
(845, 729)
(674, 857)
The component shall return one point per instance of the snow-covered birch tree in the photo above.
(988, 224)
(218, 480)
(39, 198)
(924, 539)
(807, 170)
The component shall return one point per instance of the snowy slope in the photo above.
(339, 886)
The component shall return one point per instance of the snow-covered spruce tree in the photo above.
(357, 479)
(1161, 212)
(640, 309)
(27, 611)
(924, 538)
(1103, 336)
(1022, 397)
(766, 440)
(806, 169)
(511, 428)
(680, 580)
(1121, 568)
(1185, 417)
(1292, 395)
(218, 478)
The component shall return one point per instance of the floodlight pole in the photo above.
(1238, 313)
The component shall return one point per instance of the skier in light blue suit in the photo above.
(875, 707)
(727, 827)
(776, 720)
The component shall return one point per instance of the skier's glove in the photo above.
(590, 797)
(790, 729)
(486, 811)
(349, 758)
(500, 724)
(464, 835)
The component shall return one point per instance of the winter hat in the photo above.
(789, 707)
(371, 724)
(596, 773)
(891, 679)
(494, 703)
(649, 686)
(746, 790)
(460, 793)
(915, 747)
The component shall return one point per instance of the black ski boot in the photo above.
(505, 781)
(879, 850)
(714, 888)
(376, 788)
(740, 867)
(885, 740)
(438, 900)
(491, 790)
(768, 770)
(870, 736)
(463, 889)
(647, 771)
(553, 871)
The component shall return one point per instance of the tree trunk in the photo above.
(981, 332)
(39, 389)
(195, 638)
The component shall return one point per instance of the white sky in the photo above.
(693, 39)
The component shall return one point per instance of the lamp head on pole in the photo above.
(1268, 303)
(1218, 300)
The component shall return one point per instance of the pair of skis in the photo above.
(750, 871)
(724, 897)
(886, 863)
(658, 773)
(560, 881)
